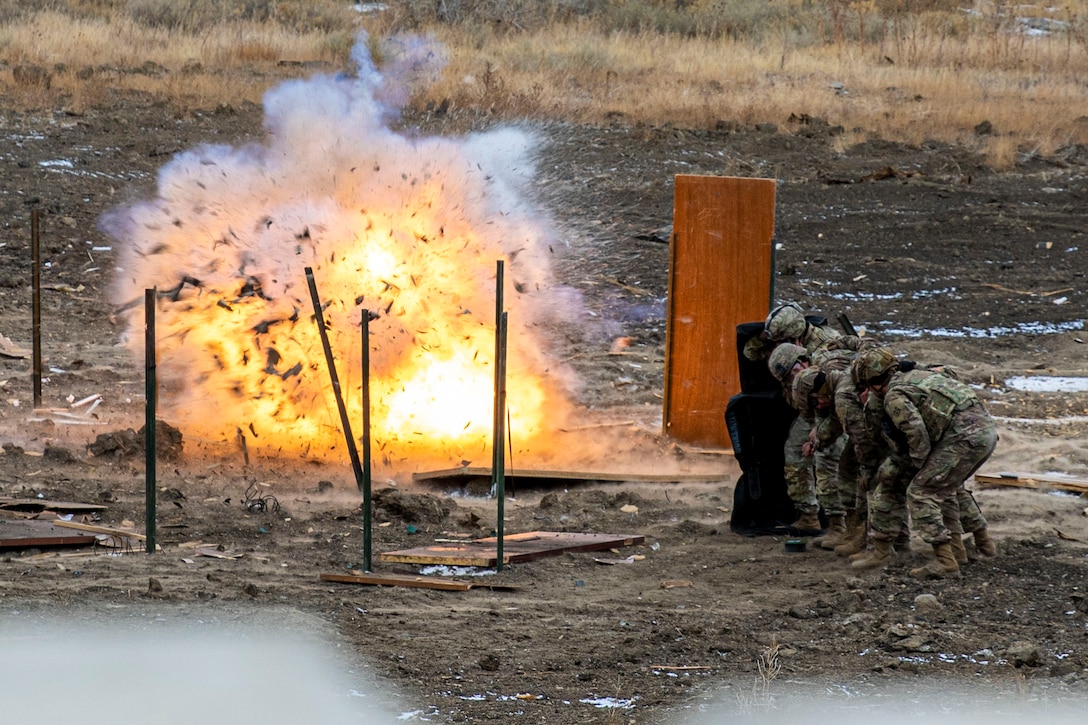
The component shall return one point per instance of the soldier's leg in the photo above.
(933, 494)
(982, 433)
(827, 479)
(847, 473)
(800, 482)
(887, 500)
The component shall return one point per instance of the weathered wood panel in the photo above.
(721, 257)
(516, 548)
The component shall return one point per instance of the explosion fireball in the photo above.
(405, 230)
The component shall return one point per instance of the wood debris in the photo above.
(11, 350)
(676, 584)
(94, 529)
(412, 581)
(1040, 482)
(626, 560)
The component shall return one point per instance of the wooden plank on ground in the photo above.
(399, 580)
(29, 534)
(1022, 480)
(100, 530)
(516, 548)
(41, 504)
(522, 475)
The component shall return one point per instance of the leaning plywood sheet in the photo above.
(520, 475)
(29, 534)
(516, 548)
(1031, 480)
(720, 266)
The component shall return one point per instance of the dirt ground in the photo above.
(924, 247)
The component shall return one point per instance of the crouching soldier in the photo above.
(784, 363)
(827, 389)
(812, 476)
(946, 434)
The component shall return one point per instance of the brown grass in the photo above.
(904, 71)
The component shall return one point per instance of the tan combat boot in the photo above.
(984, 544)
(944, 565)
(878, 558)
(808, 524)
(855, 541)
(836, 532)
(959, 549)
(863, 554)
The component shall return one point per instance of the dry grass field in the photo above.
(1005, 79)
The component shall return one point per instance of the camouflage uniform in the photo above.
(947, 434)
(844, 428)
(888, 513)
(803, 480)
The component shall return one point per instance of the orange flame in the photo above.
(407, 231)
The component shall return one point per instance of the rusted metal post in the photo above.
(353, 452)
(498, 462)
(367, 525)
(151, 390)
(36, 306)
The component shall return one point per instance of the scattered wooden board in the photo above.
(41, 504)
(516, 548)
(468, 474)
(416, 581)
(399, 580)
(29, 534)
(1021, 480)
(100, 530)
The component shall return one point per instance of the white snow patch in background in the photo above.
(1023, 328)
(1048, 384)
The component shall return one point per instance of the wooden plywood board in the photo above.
(466, 474)
(516, 548)
(399, 580)
(1028, 480)
(30, 534)
(38, 504)
(720, 268)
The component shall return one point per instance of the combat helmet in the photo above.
(872, 365)
(783, 358)
(786, 322)
(810, 383)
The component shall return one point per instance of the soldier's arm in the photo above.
(852, 342)
(758, 348)
(905, 417)
(828, 429)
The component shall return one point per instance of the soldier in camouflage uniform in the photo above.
(889, 520)
(827, 389)
(946, 434)
(795, 339)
